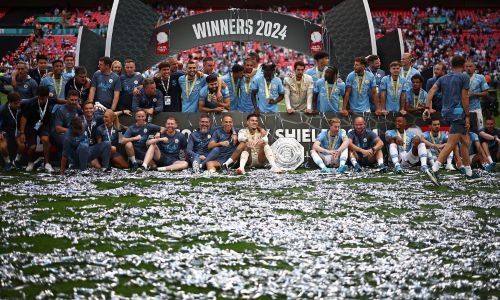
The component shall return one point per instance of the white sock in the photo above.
(343, 157)
(380, 161)
(243, 159)
(490, 160)
(422, 154)
(317, 160)
(18, 157)
(270, 155)
(468, 170)
(436, 166)
(393, 151)
(430, 158)
(353, 161)
(6, 159)
(228, 161)
(449, 159)
(132, 159)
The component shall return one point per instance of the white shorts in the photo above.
(408, 157)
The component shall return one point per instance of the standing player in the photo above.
(437, 100)
(299, 90)
(415, 98)
(454, 86)
(358, 83)
(267, 90)
(190, 88)
(56, 82)
(256, 150)
(331, 148)
(328, 91)
(232, 81)
(374, 67)
(322, 61)
(407, 70)
(478, 88)
(245, 101)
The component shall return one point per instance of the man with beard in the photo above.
(136, 136)
(245, 87)
(435, 140)
(62, 118)
(232, 81)
(358, 83)
(437, 100)
(365, 147)
(407, 71)
(165, 150)
(256, 150)
(35, 122)
(208, 101)
(149, 99)
(191, 85)
(374, 67)
(478, 88)
(328, 91)
(490, 141)
(267, 90)
(299, 90)
(197, 145)
(69, 67)
(80, 83)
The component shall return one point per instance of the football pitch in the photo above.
(295, 235)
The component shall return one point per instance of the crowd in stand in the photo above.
(470, 33)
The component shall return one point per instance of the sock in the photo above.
(380, 161)
(6, 159)
(18, 157)
(468, 170)
(490, 160)
(449, 159)
(132, 159)
(317, 160)
(228, 162)
(243, 159)
(436, 166)
(353, 161)
(270, 155)
(343, 157)
(430, 158)
(393, 151)
(422, 153)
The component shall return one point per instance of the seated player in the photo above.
(435, 141)
(476, 154)
(365, 147)
(197, 145)
(10, 114)
(490, 141)
(331, 148)
(76, 148)
(109, 131)
(165, 149)
(136, 136)
(224, 141)
(256, 150)
(405, 147)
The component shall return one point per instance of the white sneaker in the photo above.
(48, 168)
(450, 167)
(30, 167)
(276, 169)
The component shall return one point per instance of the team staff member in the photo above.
(10, 114)
(105, 85)
(365, 147)
(110, 130)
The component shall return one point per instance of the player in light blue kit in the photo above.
(331, 148)
(415, 97)
(393, 90)
(208, 101)
(358, 83)
(224, 140)
(322, 61)
(232, 80)
(191, 85)
(405, 147)
(245, 87)
(434, 141)
(328, 91)
(267, 90)
(478, 88)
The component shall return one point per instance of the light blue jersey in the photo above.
(329, 95)
(207, 102)
(407, 137)
(359, 100)
(331, 142)
(477, 84)
(408, 74)
(55, 86)
(190, 92)
(393, 89)
(316, 74)
(441, 138)
(233, 87)
(266, 90)
(245, 99)
(415, 100)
